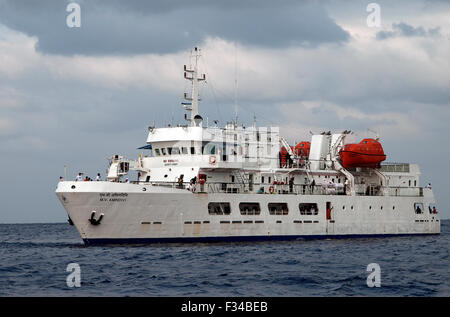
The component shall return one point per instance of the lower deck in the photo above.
(170, 215)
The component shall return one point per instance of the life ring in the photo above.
(212, 159)
(271, 189)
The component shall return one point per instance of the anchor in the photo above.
(94, 221)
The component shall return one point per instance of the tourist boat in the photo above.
(200, 183)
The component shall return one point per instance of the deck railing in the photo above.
(289, 189)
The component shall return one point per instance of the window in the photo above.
(249, 208)
(175, 150)
(262, 179)
(184, 150)
(169, 151)
(163, 151)
(209, 149)
(157, 153)
(219, 208)
(308, 209)
(418, 208)
(192, 150)
(278, 208)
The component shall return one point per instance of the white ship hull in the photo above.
(166, 214)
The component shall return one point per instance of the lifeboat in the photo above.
(367, 153)
(302, 149)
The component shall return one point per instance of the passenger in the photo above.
(329, 213)
(61, 179)
(127, 181)
(180, 181)
(313, 210)
(428, 186)
(79, 177)
(434, 210)
(313, 183)
(86, 179)
(261, 190)
(139, 176)
(98, 178)
(418, 210)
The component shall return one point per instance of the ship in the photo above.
(199, 183)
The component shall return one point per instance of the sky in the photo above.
(75, 96)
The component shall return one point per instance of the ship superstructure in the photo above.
(200, 183)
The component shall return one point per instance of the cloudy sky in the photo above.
(75, 96)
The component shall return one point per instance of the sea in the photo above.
(35, 258)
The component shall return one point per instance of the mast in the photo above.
(192, 104)
(235, 87)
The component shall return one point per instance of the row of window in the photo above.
(247, 221)
(253, 208)
(174, 151)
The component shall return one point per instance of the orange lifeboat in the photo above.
(367, 153)
(302, 149)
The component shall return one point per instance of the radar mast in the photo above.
(192, 101)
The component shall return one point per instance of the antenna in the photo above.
(377, 137)
(235, 85)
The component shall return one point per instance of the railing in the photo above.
(289, 189)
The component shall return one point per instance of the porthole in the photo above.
(370, 207)
(144, 189)
(343, 207)
(381, 207)
(165, 176)
(73, 186)
(351, 207)
(393, 207)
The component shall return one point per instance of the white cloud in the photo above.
(7, 126)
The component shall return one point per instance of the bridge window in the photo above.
(157, 152)
(249, 208)
(219, 208)
(184, 150)
(278, 208)
(192, 150)
(163, 151)
(308, 209)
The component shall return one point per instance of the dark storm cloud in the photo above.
(403, 29)
(130, 27)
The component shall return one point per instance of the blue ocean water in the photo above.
(34, 257)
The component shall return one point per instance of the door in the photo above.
(329, 218)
